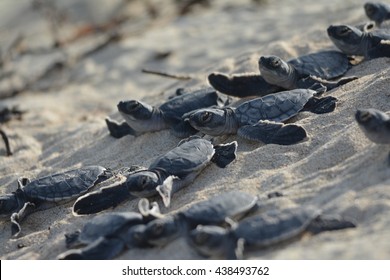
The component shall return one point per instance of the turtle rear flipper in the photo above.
(183, 129)
(381, 50)
(101, 249)
(273, 133)
(119, 130)
(16, 218)
(321, 105)
(241, 85)
(321, 224)
(224, 154)
(102, 199)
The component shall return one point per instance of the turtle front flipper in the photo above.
(224, 154)
(16, 218)
(380, 50)
(119, 130)
(313, 82)
(105, 198)
(321, 224)
(273, 133)
(183, 129)
(101, 249)
(170, 185)
(242, 85)
(321, 105)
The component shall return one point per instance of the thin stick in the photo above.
(6, 142)
(168, 75)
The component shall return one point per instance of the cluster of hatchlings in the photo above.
(215, 227)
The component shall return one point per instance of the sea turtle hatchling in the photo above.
(352, 41)
(38, 193)
(260, 119)
(108, 234)
(165, 176)
(131, 231)
(261, 231)
(315, 71)
(378, 12)
(375, 124)
(141, 117)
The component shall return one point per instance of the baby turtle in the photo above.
(33, 195)
(261, 231)
(165, 176)
(141, 117)
(313, 71)
(108, 234)
(260, 119)
(158, 230)
(375, 124)
(378, 12)
(352, 41)
(215, 211)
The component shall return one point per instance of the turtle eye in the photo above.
(344, 31)
(275, 63)
(205, 117)
(365, 116)
(131, 106)
(158, 229)
(200, 238)
(143, 181)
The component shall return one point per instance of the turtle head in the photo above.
(276, 71)
(160, 232)
(214, 121)
(10, 203)
(376, 11)
(209, 241)
(373, 122)
(348, 39)
(142, 183)
(140, 116)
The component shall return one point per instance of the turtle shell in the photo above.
(64, 185)
(215, 210)
(107, 224)
(275, 226)
(176, 107)
(276, 107)
(325, 64)
(189, 157)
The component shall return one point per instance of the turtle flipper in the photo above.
(321, 224)
(381, 50)
(224, 154)
(167, 189)
(16, 218)
(72, 239)
(119, 130)
(273, 133)
(321, 105)
(315, 83)
(100, 200)
(241, 85)
(101, 249)
(183, 129)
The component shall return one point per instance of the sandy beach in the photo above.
(67, 93)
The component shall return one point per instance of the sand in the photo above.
(336, 169)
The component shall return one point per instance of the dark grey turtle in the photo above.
(165, 176)
(107, 235)
(315, 71)
(352, 41)
(215, 211)
(134, 230)
(378, 12)
(261, 231)
(375, 124)
(261, 119)
(32, 195)
(141, 117)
